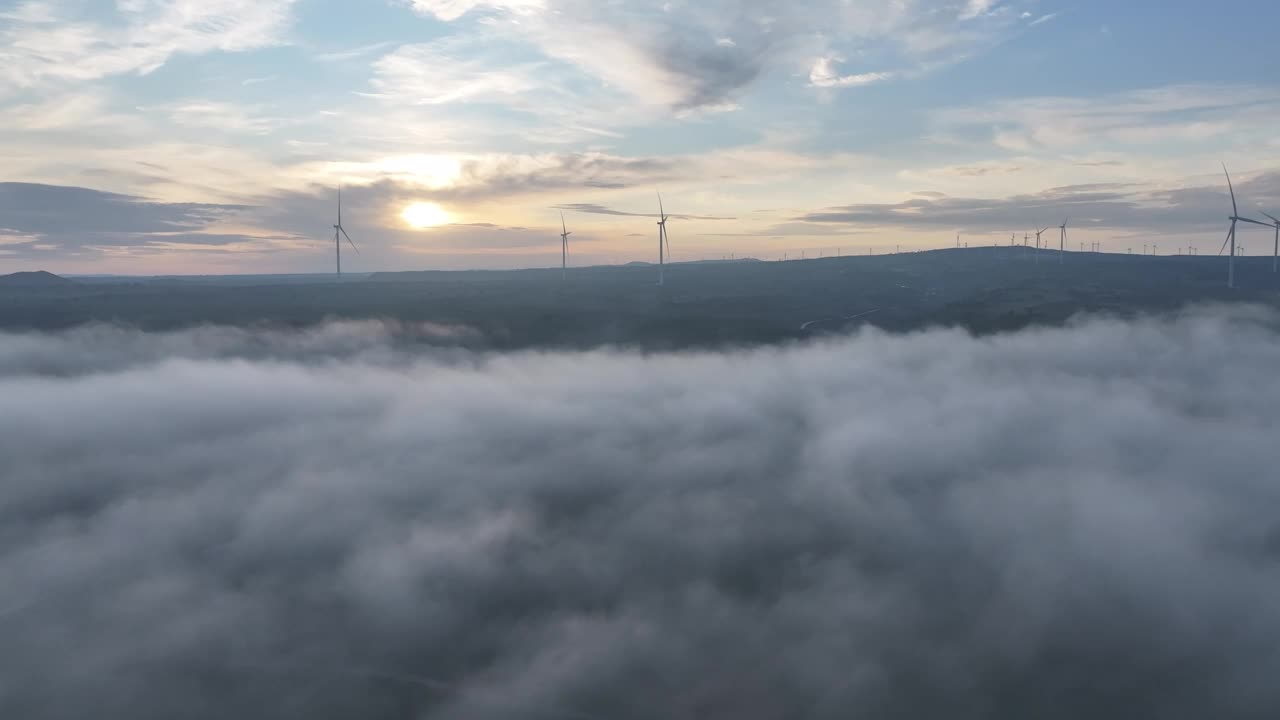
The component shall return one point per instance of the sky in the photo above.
(210, 136)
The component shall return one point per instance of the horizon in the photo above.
(209, 138)
(1179, 252)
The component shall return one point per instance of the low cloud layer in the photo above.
(1061, 523)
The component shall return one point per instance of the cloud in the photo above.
(43, 209)
(825, 74)
(358, 525)
(493, 175)
(57, 221)
(1042, 19)
(451, 71)
(54, 41)
(1098, 205)
(450, 10)
(700, 56)
(978, 8)
(224, 117)
(1135, 118)
(595, 209)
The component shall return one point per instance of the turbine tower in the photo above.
(1231, 234)
(564, 247)
(1275, 257)
(340, 232)
(1062, 242)
(663, 243)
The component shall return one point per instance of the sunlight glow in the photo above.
(425, 215)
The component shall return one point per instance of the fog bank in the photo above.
(1063, 523)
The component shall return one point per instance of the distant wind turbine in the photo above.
(1275, 257)
(1038, 234)
(663, 243)
(340, 232)
(1062, 242)
(564, 247)
(1231, 234)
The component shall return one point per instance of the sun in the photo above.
(425, 215)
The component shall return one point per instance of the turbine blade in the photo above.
(661, 211)
(1234, 209)
(339, 206)
(563, 227)
(348, 237)
(1273, 217)
(1224, 242)
(1254, 222)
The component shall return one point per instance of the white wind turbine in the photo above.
(340, 232)
(664, 245)
(1231, 234)
(564, 247)
(1062, 242)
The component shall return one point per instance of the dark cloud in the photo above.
(795, 229)
(482, 178)
(63, 221)
(710, 75)
(1103, 205)
(595, 209)
(703, 54)
(1055, 524)
(60, 210)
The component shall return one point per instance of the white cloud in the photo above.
(916, 524)
(67, 111)
(450, 10)
(450, 71)
(978, 8)
(222, 116)
(687, 55)
(50, 42)
(1145, 116)
(825, 74)
(1043, 19)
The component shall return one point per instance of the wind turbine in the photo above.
(663, 243)
(1062, 242)
(340, 232)
(1231, 234)
(564, 247)
(1038, 234)
(1275, 258)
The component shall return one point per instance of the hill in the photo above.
(36, 278)
(983, 290)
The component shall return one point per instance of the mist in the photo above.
(355, 522)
